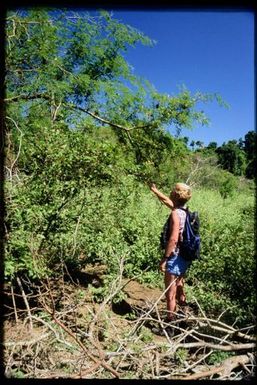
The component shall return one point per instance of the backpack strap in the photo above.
(186, 209)
(182, 220)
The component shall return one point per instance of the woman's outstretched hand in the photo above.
(153, 187)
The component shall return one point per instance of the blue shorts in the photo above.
(177, 265)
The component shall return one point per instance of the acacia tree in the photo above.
(76, 117)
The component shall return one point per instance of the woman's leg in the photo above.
(180, 296)
(170, 281)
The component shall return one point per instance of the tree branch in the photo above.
(225, 368)
(27, 97)
(28, 342)
(71, 334)
(25, 301)
(20, 139)
(228, 348)
(102, 120)
(92, 114)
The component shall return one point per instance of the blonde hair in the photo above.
(182, 192)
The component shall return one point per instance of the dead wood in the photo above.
(227, 348)
(98, 362)
(77, 338)
(224, 369)
(25, 301)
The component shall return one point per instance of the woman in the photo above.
(172, 264)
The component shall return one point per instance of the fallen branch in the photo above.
(220, 326)
(71, 334)
(100, 363)
(225, 369)
(25, 301)
(227, 348)
(26, 343)
(14, 304)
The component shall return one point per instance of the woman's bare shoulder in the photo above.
(174, 216)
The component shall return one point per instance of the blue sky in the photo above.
(207, 52)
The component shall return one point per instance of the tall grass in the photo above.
(224, 278)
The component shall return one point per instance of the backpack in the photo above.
(165, 234)
(189, 245)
